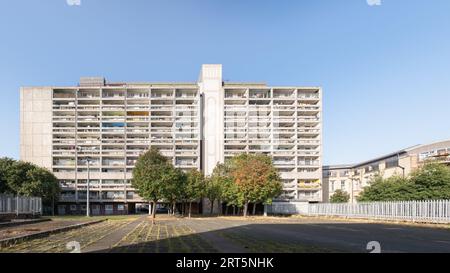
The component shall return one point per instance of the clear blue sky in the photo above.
(385, 70)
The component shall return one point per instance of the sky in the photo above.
(384, 65)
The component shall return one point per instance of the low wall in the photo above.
(288, 208)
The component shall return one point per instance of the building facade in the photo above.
(97, 130)
(353, 178)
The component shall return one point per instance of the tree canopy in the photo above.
(194, 188)
(430, 182)
(244, 179)
(256, 179)
(26, 179)
(153, 177)
(340, 196)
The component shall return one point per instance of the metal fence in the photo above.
(20, 205)
(432, 211)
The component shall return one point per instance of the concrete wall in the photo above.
(36, 126)
(210, 83)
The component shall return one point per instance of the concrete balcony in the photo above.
(309, 142)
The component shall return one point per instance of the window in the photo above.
(332, 186)
(392, 162)
(343, 185)
(73, 207)
(120, 207)
(371, 168)
(109, 209)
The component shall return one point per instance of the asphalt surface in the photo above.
(238, 235)
(336, 236)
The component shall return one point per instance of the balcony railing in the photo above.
(308, 96)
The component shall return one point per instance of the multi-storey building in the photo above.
(353, 178)
(196, 125)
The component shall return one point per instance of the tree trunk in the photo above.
(212, 207)
(254, 208)
(245, 209)
(190, 209)
(53, 205)
(226, 210)
(173, 208)
(234, 210)
(219, 204)
(153, 212)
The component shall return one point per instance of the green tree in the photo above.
(17, 177)
(256, 178)
(26, 179)
(42, 183)
(431, 182)
(395, 188)
(340, 196)
(224, 185)
(271, 189)
(195, 187)
(231, 194)
(151, 177)
(6, 165)
(174, 188)
(213, 190)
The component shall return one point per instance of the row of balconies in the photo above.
(97, 118)
(181, 105)
(122, 95)
(232, 94)
(119, 170)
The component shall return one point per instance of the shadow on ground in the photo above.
(291, 238)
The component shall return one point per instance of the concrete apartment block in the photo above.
(196, 125)
(353, 178)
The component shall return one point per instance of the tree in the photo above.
(394, 188)
(213, 190)
(174, 188)
(431, 182)
(17, 176)
(151, 175)
(26, 179)
(256, 178)
(195, 187)
(6, 165)
(231, 194)
(42, 183)
(340, 196)
(271, 189)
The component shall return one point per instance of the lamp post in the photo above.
(88, 214)
(88, 161)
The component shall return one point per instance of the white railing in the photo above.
(20, 205)
(431, 211)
